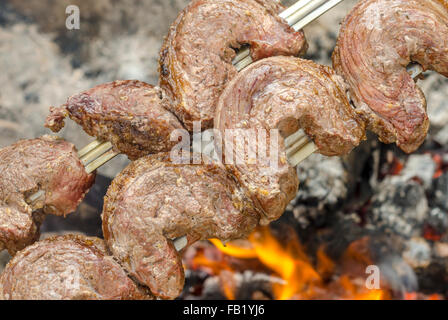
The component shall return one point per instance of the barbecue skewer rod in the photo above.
(89, 157)
(299, 146)
(297, 16)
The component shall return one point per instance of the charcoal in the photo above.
(323, 185)
(343, 230)
(434, 88)
(399, 206)
(212, 289)
(323, 180)
(340, 200)
(252, 285)
(440, 192)
(418, 253)
(398, 275)
(194, 280)
(438, 220)
(433, 279)
(421, 167)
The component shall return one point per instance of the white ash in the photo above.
(322, 33)
(323, 184)
(435, 88)
(419, 166)
(399, 206)
(34, 78)
(244, 285)
(134, 57)
(441, 137)
(418, 253)
(440, 192)
(438, 220)
(398, 275)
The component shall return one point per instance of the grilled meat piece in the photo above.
(129, 114)
(154, 201)
(67, 268)
(196, 58)
(48, 164)
(378, 39)
(287, 94)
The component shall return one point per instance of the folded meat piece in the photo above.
(154, 201)
(196, 58)
(67, 268)
(287, 94)
(48, 164)
(132, 115)
(378, 39)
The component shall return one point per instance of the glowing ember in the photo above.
(300, 278)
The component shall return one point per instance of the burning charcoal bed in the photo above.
(371, 224)
(390, 219)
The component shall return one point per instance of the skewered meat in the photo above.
(284, 93)
(153, 201)
(196, 58)
(129, 114)
(67, 268)
(47, 164)
(378, 39)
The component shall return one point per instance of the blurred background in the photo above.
(43, 63)
(393, 204)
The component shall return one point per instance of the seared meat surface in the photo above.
(196, 58)
(378, 39)
(154, 201)
(67, 268)
(48, 164)
(132, 115)
(287, 94)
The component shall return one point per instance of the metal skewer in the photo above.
(298, 15)
(89, 156)
(298, 145)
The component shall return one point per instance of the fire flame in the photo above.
(300, 277)
(294, 275)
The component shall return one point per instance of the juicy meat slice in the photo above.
(132, 115)
(196, 58)
(48, 164)
(378, 39)
(287, 94)
(154, 201)
(67, 268)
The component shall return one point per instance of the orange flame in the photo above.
(290, 262)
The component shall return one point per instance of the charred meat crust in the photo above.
(132, 115)
(48, 164)
(285, 93)
(377, 41)
(154, 201)
(67, 268)
(196, 57)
